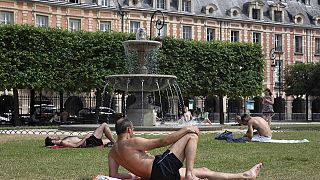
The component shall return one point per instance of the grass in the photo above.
(24, 157)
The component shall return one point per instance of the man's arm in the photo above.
(148, 144)
(113, 170)
(250, 131)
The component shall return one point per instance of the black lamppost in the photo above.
(272, 56)
(159, 23)
(121, 13)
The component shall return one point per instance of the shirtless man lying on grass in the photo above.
(90, 140)
(255, 123)
(130, 153)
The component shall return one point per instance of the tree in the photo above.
(301, 79)
(214, 68)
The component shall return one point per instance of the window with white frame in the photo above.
(317, 45)
(186, 32)
(234, 36)
(74, 24)
(256, 14)
(186, 5)
(104, 2)
(163, 31)
(298, 44)
(278, 16)
(134, 25)
(42, 21)
(278, 42)
(278, 73)
(161, 4)
(210, 34)
(256, 37)
(105, 26)
(6, 17)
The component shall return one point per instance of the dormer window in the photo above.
(186, 5)
(256, 14)
(234, 12)
(298, 19)
(135, 3)
(317, 21)
(74, 1)
(104, 2)
(277, 11)
(210, 9)
(161, 4)
(278, 16)
(307, 2)
(256, 9)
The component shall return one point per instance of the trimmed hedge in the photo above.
(55, 59)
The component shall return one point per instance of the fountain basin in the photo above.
(140, 82)
(141, 45)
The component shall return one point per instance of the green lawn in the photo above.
(24, 157)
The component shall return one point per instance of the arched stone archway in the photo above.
(279, 108)
(315, 109)
(298, 109)
(73, 105)
(210, 106)
(257, 105)
(298, 105)
(6, 104)
(235, 105)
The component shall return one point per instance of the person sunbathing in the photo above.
(255, 123)
(90, 140)
(131, 153)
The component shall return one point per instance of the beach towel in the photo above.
(102, 177)
(228, 136)
(102, 146)
(283, 141)
(55, 147)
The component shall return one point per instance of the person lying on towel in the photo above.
(130, 153)
(90, 140)
(255, 123)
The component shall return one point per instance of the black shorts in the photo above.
(92, 141)
(166, 167)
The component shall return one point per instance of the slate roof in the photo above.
(292, 8)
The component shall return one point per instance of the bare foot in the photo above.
(253, 172)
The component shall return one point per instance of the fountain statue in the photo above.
(142, 80)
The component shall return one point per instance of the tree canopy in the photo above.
(303, 79)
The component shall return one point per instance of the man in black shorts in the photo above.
(131, 153)
(90, 140)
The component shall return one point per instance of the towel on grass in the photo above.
(57, 147)
(284, 141)
(228, 136)
(102, 177)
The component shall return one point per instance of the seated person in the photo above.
(203, 120)
(131, 153)
(255, 123)
(90, 140)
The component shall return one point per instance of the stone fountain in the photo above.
(142, 79)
